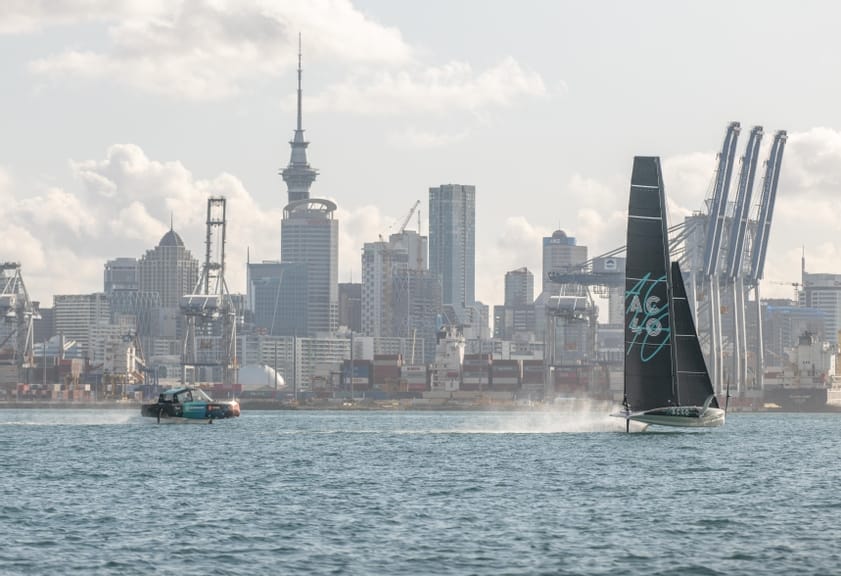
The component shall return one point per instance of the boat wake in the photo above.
(67, 417)
(583, 417)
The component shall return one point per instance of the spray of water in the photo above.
(578, 416)
(67, 417)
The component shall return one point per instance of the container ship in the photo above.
(805, 383)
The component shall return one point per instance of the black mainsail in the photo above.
(666, 378)
(649, 366)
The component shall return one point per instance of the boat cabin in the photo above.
(181, 395)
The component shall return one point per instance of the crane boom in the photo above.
(739, 226)
(766, 207)
(408, 217)
(718, 205)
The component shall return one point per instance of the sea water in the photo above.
(108, 492)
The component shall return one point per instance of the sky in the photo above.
(118, 118)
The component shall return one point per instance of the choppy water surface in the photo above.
(106, 492)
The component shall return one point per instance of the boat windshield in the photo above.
(190, 395)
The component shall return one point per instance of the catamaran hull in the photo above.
(682, 416)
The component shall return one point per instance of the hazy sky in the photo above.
(118, 115)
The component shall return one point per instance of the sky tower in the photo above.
(298, 175)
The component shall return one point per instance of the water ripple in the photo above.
(86, 492)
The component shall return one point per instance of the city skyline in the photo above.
(107, 151)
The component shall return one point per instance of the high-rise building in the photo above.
(76, 315)
(120, 274)
(823, 292)
(171, 271)
(560, 254)
(516, 317)
(519, 287)
(401, 298)
(416, 304)
(350, 305)
(381, 262)
(277, 297)
(309, 235)
(452, 241)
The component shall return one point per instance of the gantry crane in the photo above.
(18, 313)
(210, 338)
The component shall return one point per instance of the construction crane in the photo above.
(408, 217)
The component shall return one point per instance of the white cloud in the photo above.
(26, 16)
(357, 226)
(452, 87)
(206, 50)
(203, 50)
(122, 208)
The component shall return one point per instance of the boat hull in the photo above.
(679, 416)
(191, 410)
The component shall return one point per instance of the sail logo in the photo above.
(648, 317)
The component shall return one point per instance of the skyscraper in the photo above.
(560, 254)
(309, 234)
(277, 295)
(519, 287)
(120, 274)
(452, 241)
(381, 262)
(171, 271)
(516, 317)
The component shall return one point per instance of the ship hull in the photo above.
(798, 399)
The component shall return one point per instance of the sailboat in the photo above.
(666, 378)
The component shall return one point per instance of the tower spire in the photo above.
(298, 174)
(299, 83)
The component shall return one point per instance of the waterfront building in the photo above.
(452, 241)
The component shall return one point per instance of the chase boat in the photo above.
(189, 404)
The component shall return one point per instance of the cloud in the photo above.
(203, 50)
(122, 207)
(356, 227)
(27, 16)
(442, 89)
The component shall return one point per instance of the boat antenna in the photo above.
(726, 394)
